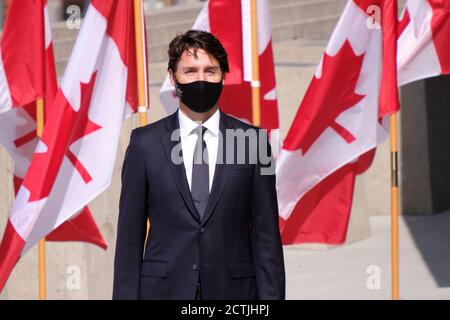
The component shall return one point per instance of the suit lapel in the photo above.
(178, 170)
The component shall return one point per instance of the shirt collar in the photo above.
(187, 125)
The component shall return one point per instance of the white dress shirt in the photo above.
(189, 139)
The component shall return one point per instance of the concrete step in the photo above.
(157, 17)
(306, 10)
(154, 18)
(291, 19)
(317, 28)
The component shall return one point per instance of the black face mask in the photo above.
(199, 96)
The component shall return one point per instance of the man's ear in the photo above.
(172, 77)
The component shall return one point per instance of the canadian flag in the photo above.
(230, 22)
(73, 162)
(423, 43)
(27, 45)
(338, 124)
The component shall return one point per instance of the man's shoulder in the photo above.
(154, 129)
(237, 123)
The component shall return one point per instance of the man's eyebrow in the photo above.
(212, 68)
(189, 68)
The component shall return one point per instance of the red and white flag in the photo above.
(73, 162)
(230, 22)
(423, 42)
(27, 72)
(338, 124)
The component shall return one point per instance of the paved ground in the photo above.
(342, 272)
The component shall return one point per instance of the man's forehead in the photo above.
(190, 56)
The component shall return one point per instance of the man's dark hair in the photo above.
(193, 40)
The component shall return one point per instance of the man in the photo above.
(213, 211)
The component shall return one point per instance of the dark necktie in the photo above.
(200, 173)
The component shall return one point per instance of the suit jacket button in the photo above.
(202, 230)
(195, 267)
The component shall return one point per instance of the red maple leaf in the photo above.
(64, 127)
(327, 97)
(83, 126)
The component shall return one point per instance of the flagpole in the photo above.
(141, 67)
(256, 113)
(41, 245)
(140, 60)
(394, 207)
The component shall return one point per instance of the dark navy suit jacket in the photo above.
(235, 252)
